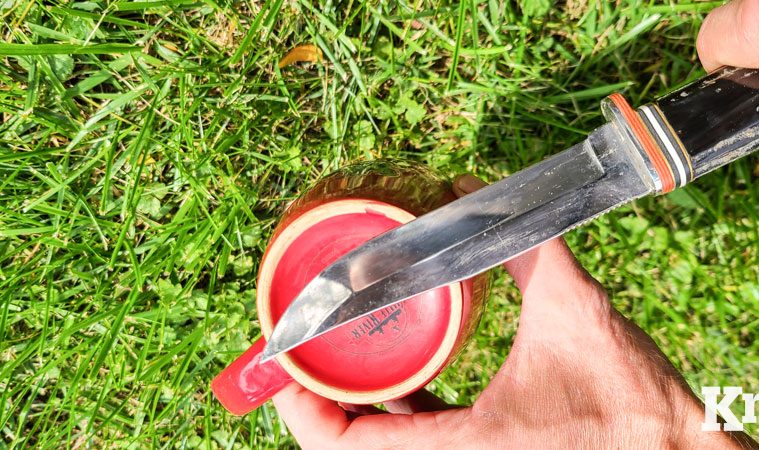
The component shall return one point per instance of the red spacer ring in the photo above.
(646, 141)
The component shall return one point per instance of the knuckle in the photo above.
(748, 23)
(703, 40)
(596, 303)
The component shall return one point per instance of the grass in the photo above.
(147, 149)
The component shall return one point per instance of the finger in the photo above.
(314, 421)
(318, 423)
(466, 184)
(353, 411)
(419, 401)
(730, 36)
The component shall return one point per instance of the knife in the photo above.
(661, 146)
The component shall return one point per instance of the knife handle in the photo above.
(695, 129)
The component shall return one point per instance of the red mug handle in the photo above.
(247, 384)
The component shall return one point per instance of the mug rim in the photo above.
(278, 246)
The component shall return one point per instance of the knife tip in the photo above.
(268, 354)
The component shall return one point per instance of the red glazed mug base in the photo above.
(380, 357)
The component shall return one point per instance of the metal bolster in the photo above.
(664, 156)
(642, 163)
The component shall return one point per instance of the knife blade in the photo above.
(655, 149)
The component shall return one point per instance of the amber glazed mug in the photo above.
(383, 356)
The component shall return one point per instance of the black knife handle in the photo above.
(695, 129)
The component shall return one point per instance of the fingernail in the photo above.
(469, 183)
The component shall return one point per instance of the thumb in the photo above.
(730, 36)
(552, 259)
(553, 284)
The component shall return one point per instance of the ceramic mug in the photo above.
(383, 356)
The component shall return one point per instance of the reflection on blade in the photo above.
(465, 237)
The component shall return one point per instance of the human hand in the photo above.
(730, 36)
(578, 375)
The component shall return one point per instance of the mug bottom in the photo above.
(379, 357)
